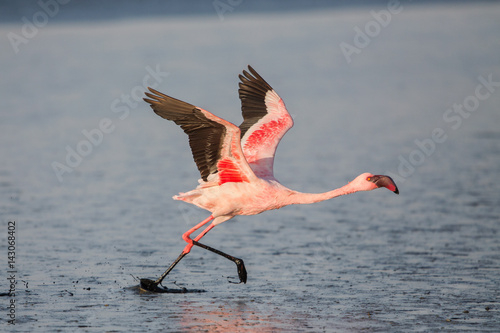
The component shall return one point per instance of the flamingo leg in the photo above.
(242, 272)
(188, 239)
(151, 285)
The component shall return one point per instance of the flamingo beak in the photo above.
(385, 181)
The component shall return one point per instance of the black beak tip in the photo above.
(385, 181)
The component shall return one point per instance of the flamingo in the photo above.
(236, 163)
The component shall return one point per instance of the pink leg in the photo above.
(188, 239)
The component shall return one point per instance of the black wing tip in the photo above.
(156, 92)
(251, 80)
(159, 99)
(149, 101)
(254, 72)
(250, 74)
(155, 96)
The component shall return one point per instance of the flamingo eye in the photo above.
(369, 178)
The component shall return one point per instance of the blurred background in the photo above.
(405, 88)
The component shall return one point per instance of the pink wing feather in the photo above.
(266, 121)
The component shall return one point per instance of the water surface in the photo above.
(426, 260)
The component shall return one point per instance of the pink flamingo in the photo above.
(236, 163)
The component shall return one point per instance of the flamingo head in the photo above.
(368, 182)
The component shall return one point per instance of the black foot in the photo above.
(242, 272)
(152, 286)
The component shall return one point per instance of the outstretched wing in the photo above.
(214, 142)
(266, 120)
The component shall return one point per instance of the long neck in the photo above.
(308, 198)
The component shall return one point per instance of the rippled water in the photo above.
(426, 260)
